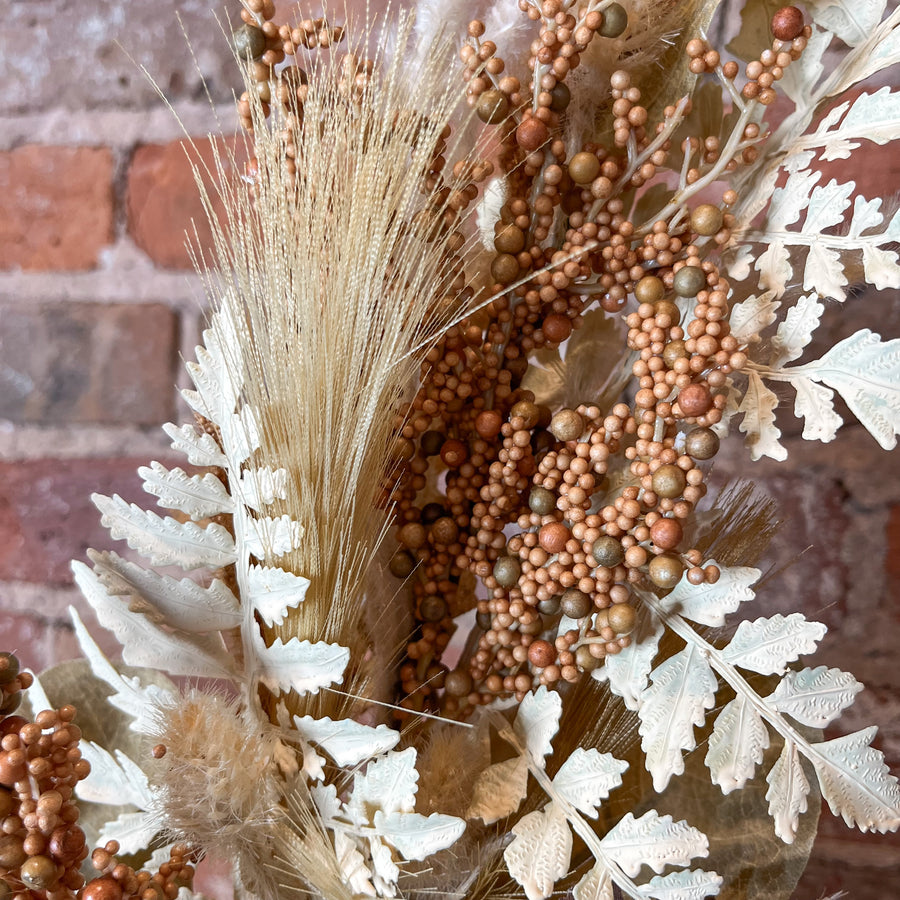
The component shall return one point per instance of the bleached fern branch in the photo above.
(860, 790)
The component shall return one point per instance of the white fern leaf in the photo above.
(165, 541)
(824, 272)
(499, 790)
(768, 645)
(814, 697)
(880, 50)
(814, 404)
(796, 331)
(539, 855)
(299, 665)
(200, 448)
(653, 840)
(129, 695)
(788, 202)
(487, 212)
(354, 871)
(775, 273)
(388, 784)
(595, 885)
(689, 884)
(218, 384)
(263, 486)
(143, 644)
(737, 745)
(758, 407)
(273, 592)
(708, 604)
(268, 536)
(851, 20)
(385, 871)
(415, 836)
(866, 373)
(682, 688)
(347, 742)
(628, 671)
(874, 117)
(586, 778)
(115, 780)
(133, 831)
(240, 435)
(184, 604)
(537, 721)
(856, 782)
(755, 314)
(787, 792)
(200, 496)
(881, 267)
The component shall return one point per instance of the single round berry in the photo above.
(607, 552)
(668, 482)
(541, 654)
(567, 425)
(706, 219)
(492, 107)
(541, 501)
(507, 570)
(689, 281)
(665, 571)
(575, 604)
(621, 617)
(615, 21)
(694, 399)
(787, 23)
(701, 443)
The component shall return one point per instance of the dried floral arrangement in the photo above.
(458, 622)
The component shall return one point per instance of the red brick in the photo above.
(164, 204)
(56, 207)
(47, 518)
(88, 55)
(85, 362)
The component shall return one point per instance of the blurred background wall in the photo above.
(99, 303)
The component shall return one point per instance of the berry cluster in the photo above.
(550, 522)
(41, 845)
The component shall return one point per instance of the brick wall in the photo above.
(98, 303)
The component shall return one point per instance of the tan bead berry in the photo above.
(666, 533)
(607, 552)
(706, 219)
(532, 134)
(567, 425)
(492, 107)
(701, 443)
(553, 536)
(695, 399)
(668, 482)
(584, 167)
(787, 23)
(615, 21)
(104, 888)
(38, 872)
(621, 617)
(541, 654)
(665, 571)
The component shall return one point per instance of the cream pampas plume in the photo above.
(340, 268)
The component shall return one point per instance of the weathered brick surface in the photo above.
(76, 54)
(56, 206)
(47, 518)
(84, 362)
(163, 202)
